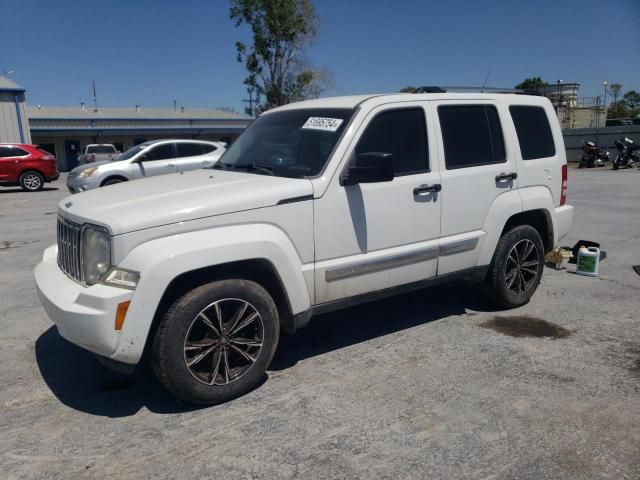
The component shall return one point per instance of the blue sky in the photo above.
(152, 52)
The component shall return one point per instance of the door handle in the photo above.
(170, 165)
(506, 176)
(436, 187)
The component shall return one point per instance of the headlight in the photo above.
(87, 172)
(119, 277)
(96, 253)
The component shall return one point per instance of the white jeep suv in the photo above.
(317, 205)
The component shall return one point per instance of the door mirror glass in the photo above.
(370, 167)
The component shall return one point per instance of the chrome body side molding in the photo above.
(399, 260)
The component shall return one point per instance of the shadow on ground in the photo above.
(19, 190)
(80, 382)
(351, 326)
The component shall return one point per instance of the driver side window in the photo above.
(403, 133)
(160, 152)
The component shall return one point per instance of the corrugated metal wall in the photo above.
(9, 123)
(574, 138)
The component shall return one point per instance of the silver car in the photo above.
(145, 160)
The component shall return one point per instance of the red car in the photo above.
(27, 166)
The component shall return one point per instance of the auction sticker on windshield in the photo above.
(322, 123)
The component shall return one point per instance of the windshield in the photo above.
(131, 152)
(101, 149)
(293, 143)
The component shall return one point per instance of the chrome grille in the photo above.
(69, 249)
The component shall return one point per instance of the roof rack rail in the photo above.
(436, 89)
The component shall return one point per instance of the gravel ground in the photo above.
(434, 384)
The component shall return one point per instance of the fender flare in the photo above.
(163, 259)
(502, 208)
(541, 198)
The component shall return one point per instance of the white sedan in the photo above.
(148, 159)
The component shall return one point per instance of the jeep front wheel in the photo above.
(516, 267)
(216, 342)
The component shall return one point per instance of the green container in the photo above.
(588, 261)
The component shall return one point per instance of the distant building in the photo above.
(13, 118)
(65, 131)
(574, 111)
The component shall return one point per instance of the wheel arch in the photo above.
(173, 264)
(259, 270)
(31, 169)
(114, 177)
(540, 219)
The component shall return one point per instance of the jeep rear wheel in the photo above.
(516, 267)
(216, 342)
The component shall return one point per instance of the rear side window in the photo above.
(402, 133)
(472, 135)
(189, 149)
(207, 148)
(533, 130)
(161, 152)
(12, 152)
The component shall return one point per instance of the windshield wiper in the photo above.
(249, 167)
(221, 166)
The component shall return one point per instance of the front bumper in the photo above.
(84, 315)
(81, 184)
(564, 219)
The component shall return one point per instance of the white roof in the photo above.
(377, 99)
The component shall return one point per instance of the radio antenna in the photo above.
(486, 79)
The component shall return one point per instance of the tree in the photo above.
(615, 89)
(533, 83)
(632, 99)
(281, 30)
(408, 89)
(618, 109)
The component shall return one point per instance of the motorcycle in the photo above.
(628, 154)
(593, 156)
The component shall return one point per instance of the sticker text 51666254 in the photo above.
(322, 123)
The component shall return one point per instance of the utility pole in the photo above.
(95, 97)
(604, 105)
(250, 110)
(175, 106)
(597, 110)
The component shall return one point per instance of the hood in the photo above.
(84, 166)
(165, 199)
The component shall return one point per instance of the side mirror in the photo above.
(141, 158)
(370, 167)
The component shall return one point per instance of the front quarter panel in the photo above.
(163, 259)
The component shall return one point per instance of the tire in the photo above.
(112, 181)
(188, 354)
(31, 181)
(509, 290)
